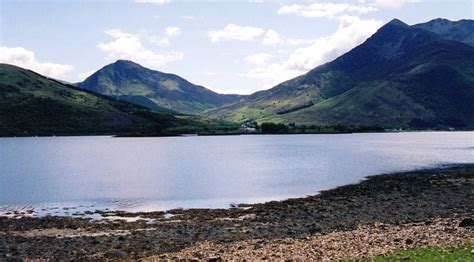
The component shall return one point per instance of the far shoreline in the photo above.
(236, 134)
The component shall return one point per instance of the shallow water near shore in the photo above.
(70, 175)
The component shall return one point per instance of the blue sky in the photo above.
(227, 46)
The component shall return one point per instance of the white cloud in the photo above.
(258, 59)
(271, 74)
(246, 33)
(235, 32)
(326, 10)
(394, 3)
(22, 57)
(172, 31)
(155, 2)
(352, 31)
(129, 46)
(271, 38)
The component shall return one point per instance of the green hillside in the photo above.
(31, 104)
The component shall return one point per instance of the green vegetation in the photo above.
(459, 253)
(202, 126)
(128, 81)
(31, 104)
(246, 114)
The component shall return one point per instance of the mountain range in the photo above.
(417, 76)
(132, 82)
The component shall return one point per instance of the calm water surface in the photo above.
(168, 172)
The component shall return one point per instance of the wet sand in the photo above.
(378, 215)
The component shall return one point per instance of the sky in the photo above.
(227, 46)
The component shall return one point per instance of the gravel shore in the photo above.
(376, 216)
(362, 242)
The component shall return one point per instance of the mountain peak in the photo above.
(123, 62)
(439, 19)
(129, 81)
(397, 22)
(127, 67)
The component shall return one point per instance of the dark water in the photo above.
(169, 172)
